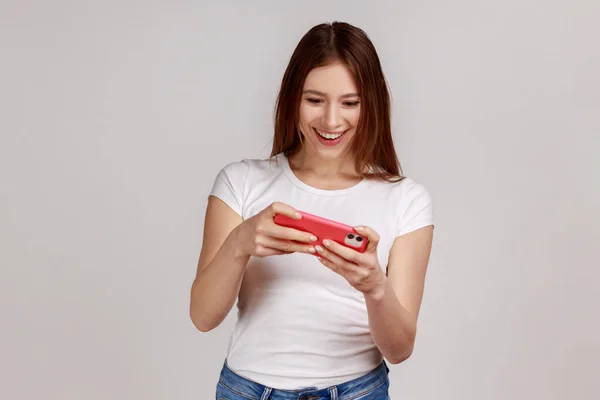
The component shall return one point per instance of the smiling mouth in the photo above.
(328, 134)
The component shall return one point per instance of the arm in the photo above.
(393, 301)
(228, 244)
(394, 305)
(220, 267)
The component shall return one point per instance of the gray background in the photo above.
(117, 115)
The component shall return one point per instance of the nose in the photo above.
(332, 116)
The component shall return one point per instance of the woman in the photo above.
(317, 322)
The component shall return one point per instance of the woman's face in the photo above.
(329, 111)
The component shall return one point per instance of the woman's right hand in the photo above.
(260, 236)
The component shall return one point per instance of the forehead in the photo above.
(333, 79)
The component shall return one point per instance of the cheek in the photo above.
(353, 117)
(306, 116)
(303, 116)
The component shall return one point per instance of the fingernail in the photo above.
(311, 250)
(326, 242)
(319, 249)
(298, 215)
(359, 228)
(313, 238)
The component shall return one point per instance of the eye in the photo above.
(314, 101)
(351, 103)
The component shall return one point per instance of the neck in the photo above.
(309, 162)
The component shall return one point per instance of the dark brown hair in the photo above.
(324, 44)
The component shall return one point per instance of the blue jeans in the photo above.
(372, 386)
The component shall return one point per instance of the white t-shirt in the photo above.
(300, 324)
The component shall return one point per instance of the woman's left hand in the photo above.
(361, 270)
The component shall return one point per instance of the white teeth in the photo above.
(329, 135)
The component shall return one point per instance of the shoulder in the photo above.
(408, 201)
(405, 189)
(411, 195)
(410, 188)
(250, 167)
(235, 179)
(245, 173)
(414, 206)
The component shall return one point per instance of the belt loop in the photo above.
(333, 394)
(266, 394)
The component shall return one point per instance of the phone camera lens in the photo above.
(350, 236)
(359, 239)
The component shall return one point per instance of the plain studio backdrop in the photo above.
(117, 115)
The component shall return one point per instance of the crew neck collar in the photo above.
(285, 165)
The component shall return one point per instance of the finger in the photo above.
(370, 234)
(286, 233)
(282, 208)
(338, 266)
(332, 257)
(329, 264)
(286, 245)
(266, 251)
(346, 253)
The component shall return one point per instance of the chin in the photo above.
(331, 154)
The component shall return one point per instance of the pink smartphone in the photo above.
(324, 228)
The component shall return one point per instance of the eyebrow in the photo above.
(324, 95)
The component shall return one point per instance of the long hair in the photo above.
(372, 145)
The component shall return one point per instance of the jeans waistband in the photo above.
(348, 390)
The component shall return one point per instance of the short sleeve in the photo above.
(229, 185)
(416, 210)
